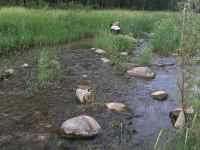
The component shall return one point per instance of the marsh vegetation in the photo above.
(41, 38)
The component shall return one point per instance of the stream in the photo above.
(32, 121)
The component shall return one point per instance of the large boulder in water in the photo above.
(143, 72)
(160, 95)
(80, 127)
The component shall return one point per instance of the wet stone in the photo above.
(80, 127)
(93, 49)
(25, 65)
(105, 60)
(160, 95)
(84, 94)
(143, 72)
(116, 106)
(100, 51)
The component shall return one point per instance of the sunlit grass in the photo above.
(21, 28)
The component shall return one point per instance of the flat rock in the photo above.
(93, 48)
(160, 95)
(175, 54)
(80, 127)
(105, 60)
(100, 51)
(116, 106)
(84, 95)
(143, 72)
(84, 76)
(25, 65)
(124, 54)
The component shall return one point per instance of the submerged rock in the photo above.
(124, 53)
(116, 106)
(80, 127)
(105, 60)
(100, 51)
(84, 95)
(160, 95)
(143, 72)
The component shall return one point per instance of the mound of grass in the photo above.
(114, 44)
(47, 70)
(146, 56)
(167, 37)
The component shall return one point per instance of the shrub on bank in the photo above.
(167, 37)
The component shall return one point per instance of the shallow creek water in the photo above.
(31, 122)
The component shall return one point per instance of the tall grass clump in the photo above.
(47, 70)
(167, 36)
(146, 56)
(113, 45)
(188, 136)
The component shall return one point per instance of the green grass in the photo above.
(146, 56)
(47, 70)
(113, 45)
(21, 28)
(167, 36)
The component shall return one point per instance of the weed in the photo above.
(146, 56)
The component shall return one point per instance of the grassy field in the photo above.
(21, 28)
